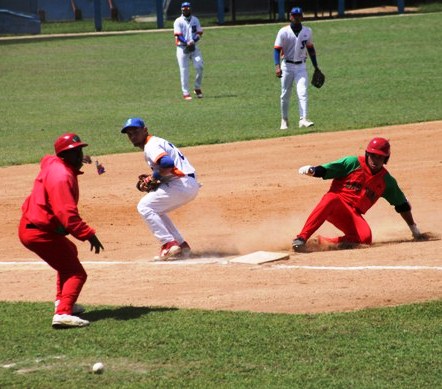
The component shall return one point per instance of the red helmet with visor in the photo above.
(68, 142)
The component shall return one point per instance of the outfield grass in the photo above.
(378, 73)
(160, 347)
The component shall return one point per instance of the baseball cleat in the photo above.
(185, 250)
(284, 124)
(298, 245)
(67, 321)
(169, 249)
(198, 93)
(77, 309)
(303, 122)
(187, 97)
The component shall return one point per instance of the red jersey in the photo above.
(354, 182)
(52, 204)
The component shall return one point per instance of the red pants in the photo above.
(332, 209)
(62, 255)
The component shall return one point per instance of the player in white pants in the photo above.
(187, 30)
(291, 45)
(178, 186)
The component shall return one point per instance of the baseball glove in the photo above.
(318, 78)
(189, 49)
(146, 183)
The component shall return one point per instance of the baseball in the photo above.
(98, 368)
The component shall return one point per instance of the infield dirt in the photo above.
(252, 199)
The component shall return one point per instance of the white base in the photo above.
(259, 257)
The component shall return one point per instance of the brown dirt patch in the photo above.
(252, 199)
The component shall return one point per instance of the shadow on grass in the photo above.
(122, 313)
(225, 96)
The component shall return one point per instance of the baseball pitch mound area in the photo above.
(252, 200)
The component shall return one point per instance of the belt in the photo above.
(294, 62)
(31, 226)
(191, 175)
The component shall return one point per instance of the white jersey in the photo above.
(189, 29)
(156, 147)
(294, 48)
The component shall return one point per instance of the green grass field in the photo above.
(377, 75)
(168, 348)
(380, 71)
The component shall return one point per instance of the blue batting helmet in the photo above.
(186, 5)
(296, 11)
(132, 123)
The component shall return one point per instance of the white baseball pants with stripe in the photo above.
(294, 74)
(184, 64)
(154, 206)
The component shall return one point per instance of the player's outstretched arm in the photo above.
(408, 217)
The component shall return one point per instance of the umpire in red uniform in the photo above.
(50, 213)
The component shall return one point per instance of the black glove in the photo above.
(318, 78)
(189, 49)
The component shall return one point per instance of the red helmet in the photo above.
(68, 142)
(379, 146)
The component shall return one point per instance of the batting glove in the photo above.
(415, 231)
(307, 170)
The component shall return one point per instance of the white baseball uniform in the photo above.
(190, 28)
(178, 189)
(294, 56)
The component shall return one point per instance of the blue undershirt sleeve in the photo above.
(181, 39)
(312, 54)
(166, 162)
(277, 56)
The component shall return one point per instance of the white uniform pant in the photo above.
(294, 74)
(153, 207)
(184, 64)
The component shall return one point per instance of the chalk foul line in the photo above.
(224, 261)
(356, 268)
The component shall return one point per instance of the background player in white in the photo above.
(291, 46)
(178, 186)
(187, 30)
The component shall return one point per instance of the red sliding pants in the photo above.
(331, 208)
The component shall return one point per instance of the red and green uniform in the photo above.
(353, 191)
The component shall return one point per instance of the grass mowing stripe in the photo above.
(91, 85)
(166, 347)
